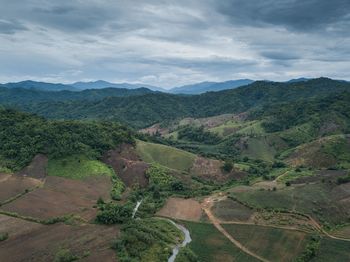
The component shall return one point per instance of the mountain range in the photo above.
(192, 89)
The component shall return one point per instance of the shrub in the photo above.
(4, 236)
(227, 167)
(65, 255)
(113, 213)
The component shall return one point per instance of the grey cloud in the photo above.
(10, 27)
(301, 15)
(279, 55)
(171, 43)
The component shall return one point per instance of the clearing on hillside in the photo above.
(35, 242)
(77, 167)
(230, 210)
(330, 151)
(127, 165)
(210, 169)
(14, 185)
(183, 209)
(60, 196)
(37, 168)
(167, 156)
(327, 202)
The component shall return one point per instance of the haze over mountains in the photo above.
(192, 89)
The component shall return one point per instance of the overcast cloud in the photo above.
(171, 43)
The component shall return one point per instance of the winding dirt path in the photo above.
(206, 205)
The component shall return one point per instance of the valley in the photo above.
(256, 173)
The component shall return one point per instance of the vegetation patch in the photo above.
(77, 167)
(167, 156)
(147, 240)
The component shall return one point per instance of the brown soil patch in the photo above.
(12, 185)
(41, 243)
(37, 168)
(179, 208)
(61, 196)
(230, 210)
(127, 165)
(210, 169)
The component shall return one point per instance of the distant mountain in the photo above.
(29, 84)
(203, 87)
(296, 80)
(15, 96)
(104, 84)
(145, 110)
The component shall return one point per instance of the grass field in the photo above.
(252, 128)
(330, 151)
(210, 245)
(165, 155)
(77, 167)
(270, 243)
(239, 127)
(259, 148)
(292, 175)
(333, 250)
(321, 200)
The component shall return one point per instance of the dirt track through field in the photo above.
(207, 204)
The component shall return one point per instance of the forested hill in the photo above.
(144, 110)
(14, 96)
(24, 135)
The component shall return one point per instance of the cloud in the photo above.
(169, 43)
(10, 27)
(300, 15)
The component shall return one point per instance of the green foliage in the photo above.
(197, 134)
(343, 180)
(167, 156)
(118, 188)
(186, 255)
(227, 166)
(145, 110)
(65, 255)
(4, 236)
(113, 213)
(159, 175)
(23, 136)
(147, 240)
(311, 250)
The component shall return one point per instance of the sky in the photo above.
(171, 43)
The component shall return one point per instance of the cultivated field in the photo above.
(183, 209)
(210, 245)
(272, 244)
(61, 196)
(34, 242)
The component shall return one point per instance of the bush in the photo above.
(118, 188)
(112, 213)
(4, 236)
(227, 167)
(65, 255)
(343, 180)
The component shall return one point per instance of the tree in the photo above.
(227, 166)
